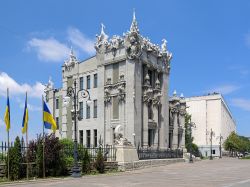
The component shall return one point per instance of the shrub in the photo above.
(99, 163)
(15, 159)
(86, 162)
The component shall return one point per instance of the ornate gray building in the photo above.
(128, 82)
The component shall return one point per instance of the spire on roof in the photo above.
(134, 25)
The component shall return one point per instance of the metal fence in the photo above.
(154, 153)
(108, 152)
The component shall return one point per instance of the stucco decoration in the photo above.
(115, 43)
(71, 62)
(101, 41)
(119, 139)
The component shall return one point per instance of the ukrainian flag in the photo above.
(7, 113)
(25, 118)
(48, 120)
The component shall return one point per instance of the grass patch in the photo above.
(246, 158)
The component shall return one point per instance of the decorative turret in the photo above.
(101, 41)
(134, 25)
(70, 63)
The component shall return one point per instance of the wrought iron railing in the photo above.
(156, 153)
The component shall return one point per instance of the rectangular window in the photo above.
(95, 80)
(95, 108)
(81, 110)
(81, 137)
(115, 108)
(87, 111)
(150, 111)
(57, 103)
(88, 82)
(115, 72)
(57, 122)
(81, 83)
(213, 151)
(88, 138)
(95, 137)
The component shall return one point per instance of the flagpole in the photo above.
(27, 142)
(8, 136)
(43, 141)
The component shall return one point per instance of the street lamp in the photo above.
(220, 137)
(73, 94)
(191, 124)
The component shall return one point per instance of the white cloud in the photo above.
(80, 40)
(30, 106)
(225, 89)
(244, 104)
(15, 88)
(2, 124)
(49, 49)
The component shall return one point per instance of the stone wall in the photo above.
(147, 163)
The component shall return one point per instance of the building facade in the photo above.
(128, 82)
(210, 112)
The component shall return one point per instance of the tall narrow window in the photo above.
(115, 72)
(115, 108)
(95, 137)
(81, 83)
(57, 103)
(87, 111)
(81, 136)
(88, 138)
(150, 111)
(57, 122)
(80, 110)
(95, 108)
(88, 82)
(95, 80)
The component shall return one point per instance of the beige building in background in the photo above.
(210, 112)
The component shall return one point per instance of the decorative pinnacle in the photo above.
(175, 93)
(102, 29)
(134, 26)
(182, 96)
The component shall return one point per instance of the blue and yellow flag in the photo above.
(48, 120)
(7, 113)
(25, 118)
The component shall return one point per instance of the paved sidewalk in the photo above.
(226, 172)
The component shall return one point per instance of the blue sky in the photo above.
(210, 42)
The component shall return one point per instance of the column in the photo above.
(145, 124)
(175, 131)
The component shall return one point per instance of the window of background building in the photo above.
(81, 136)
(115, 108)
(88, 82)
(87, 111)
(80, 110)
(95, 108)
(150, 111)
(115, 72)
(88, 138)
(81, 83)
(57, 103)
(213, 151)
(57, 122)
(95, 137)
(95, 80)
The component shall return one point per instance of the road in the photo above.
(226, 172)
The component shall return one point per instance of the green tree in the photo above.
(15, 159)
(188, 139)
(99, 163)
(86, 162)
